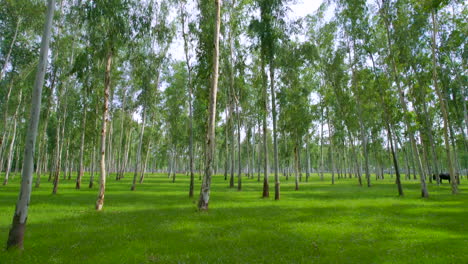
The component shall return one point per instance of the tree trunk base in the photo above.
(266, 189)
(277, 191)
(16, 234)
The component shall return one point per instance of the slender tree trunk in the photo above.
(174, 166)
(266, 189)
(308, 162)
(43, 134)
(93, 161)
(249, 150)
(143, 171)
(190, 89)
(67, 156)
(443, 106)
(81, 166)
(138, 155)
(17, 152)
(210, 138)
(231, 131)
(354, 154)
(102, 185)
(321, 141)
(12, 142)
(5, 115)
(364, 138)
(430, 133)
(275, 136)
(13, 41)
(258, 153)
(424, 192)
(126, 154)
(239, 169)
(330, 135)
(226, 144)
(16, 234)
(60, 147)
(296, 167)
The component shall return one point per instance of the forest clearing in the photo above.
(233, 131)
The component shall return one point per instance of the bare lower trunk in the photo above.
(12, 143)
(275, 136)
(321, 142)
(17, 230)
(93, 161)
(258, 154)
(102, 185)
(308, 162)
(330, 135)
(143, 171)
(81, 166)
(239, 169)
(138, 154)
(266, 189)
(210, 138)
(296, 167)
(190, 90)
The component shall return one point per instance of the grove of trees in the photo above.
(240, 89)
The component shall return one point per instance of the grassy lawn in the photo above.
(320, 223)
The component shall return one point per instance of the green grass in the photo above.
(320, 223)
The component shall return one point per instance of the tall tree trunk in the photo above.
(12, 142)
(239, 169)
(258, 154)
(81, 166)
(60, 143)
(5, 115)
(210, 137)
(331, 149)
(105, 117)
(249, 151)
(308, 162)
(355, 158)
(231, 131)
(226, 147)
(321, 141)
(296, 166)
(190, 90)
(13, 41)
(424, 192)
(266, 189)
(275, 136)
(443, 107)
(67, 158)
(138, 154)
(126, 154)
(93, 162)
(16, 234)
(143, 171)
(44, 132)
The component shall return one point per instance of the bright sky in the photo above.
(305, 7)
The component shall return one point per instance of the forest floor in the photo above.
(320, 223)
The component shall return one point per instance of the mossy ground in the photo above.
(320, 223)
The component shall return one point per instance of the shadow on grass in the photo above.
(318, 224)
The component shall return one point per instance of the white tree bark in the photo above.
(105, 117)
(16, 234)
(210, 137)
